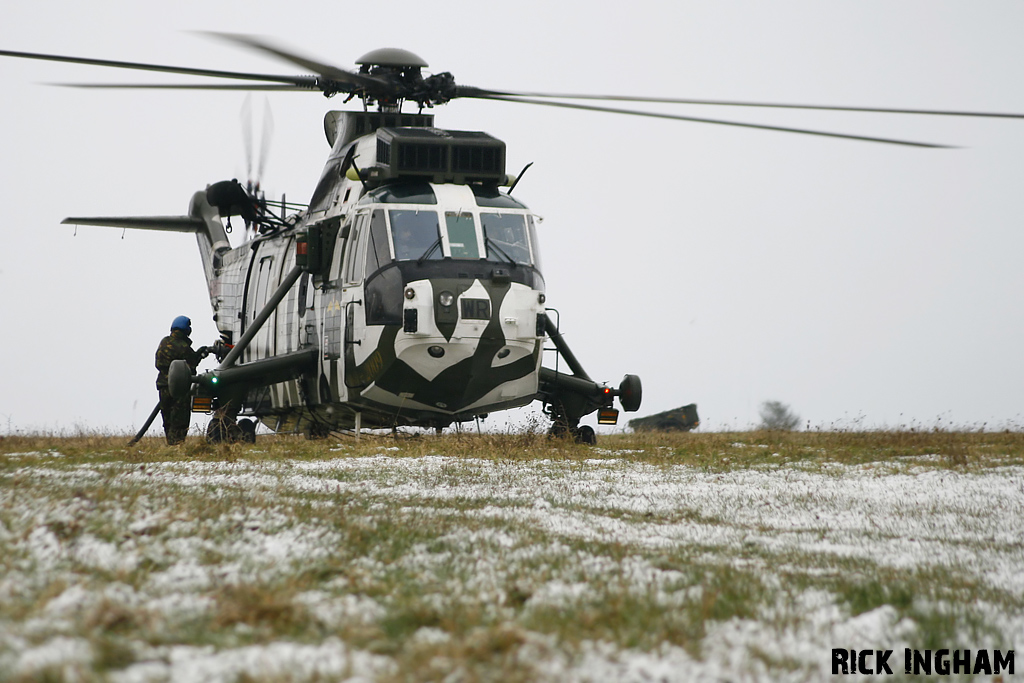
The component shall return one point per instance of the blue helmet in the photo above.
(182, 323)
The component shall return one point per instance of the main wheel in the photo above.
(220, 430)
(559, 429)
(586, 435)
(216, 431)
(248, 429)
(317, 430)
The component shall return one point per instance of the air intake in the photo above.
(440, 156)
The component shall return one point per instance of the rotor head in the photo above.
(390, 56)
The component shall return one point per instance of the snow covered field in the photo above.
(395, 562)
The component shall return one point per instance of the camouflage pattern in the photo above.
(175, 346)
(425, 306)
(177, 415)
(422, 304)
(176, 411)
(400, 373)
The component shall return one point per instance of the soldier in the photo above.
(176, 346)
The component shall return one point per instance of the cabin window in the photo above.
(416, 234)
(354, 250)
(461, 234)
(338, 254)
(261, 294)
(506, 237)
(378, 252)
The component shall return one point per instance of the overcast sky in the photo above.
(860, 283)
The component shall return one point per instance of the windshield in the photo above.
(506, 237)
(461, 234)
(415, 233)
(419, 235)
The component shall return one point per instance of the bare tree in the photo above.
(777, 415)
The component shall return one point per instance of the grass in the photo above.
(479, 557)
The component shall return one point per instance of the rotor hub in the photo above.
(401, 71)
(392, 57)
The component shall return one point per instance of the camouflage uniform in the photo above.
(177, 412)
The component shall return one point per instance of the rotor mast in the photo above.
(402, 71)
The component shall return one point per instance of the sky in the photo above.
(864, 285)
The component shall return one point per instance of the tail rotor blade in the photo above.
(246, 115)
(268, 134)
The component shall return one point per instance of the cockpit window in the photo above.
(534, 243)
(416, 234)
(461, 234)
(505, 236)
(403, 193)
(491, 198)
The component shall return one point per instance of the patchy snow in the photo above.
(336, 611)
(82, 552)
(62, 654)
(330, 660)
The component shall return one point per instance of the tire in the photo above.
(317, 430)
(559, 429)
(586, 435)
(222, 431)
(215, 431)
(248, 429)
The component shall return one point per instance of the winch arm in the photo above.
(570, 397)
(259, 372)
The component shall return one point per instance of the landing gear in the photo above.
(224, 427)
(317, 430)
(222, 430)
(586, 435)
(560, 428)
(563, 427)
(248, 429)
(569, 397)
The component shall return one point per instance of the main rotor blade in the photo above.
(676, 117)
(468, 91)
(182, 86)
(328, 70)
(308, 82)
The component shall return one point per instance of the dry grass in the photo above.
(958, 448)
(484, 557)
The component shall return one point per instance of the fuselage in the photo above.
(429, 307)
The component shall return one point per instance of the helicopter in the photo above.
(409, 291)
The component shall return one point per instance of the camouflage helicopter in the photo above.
(409, 291)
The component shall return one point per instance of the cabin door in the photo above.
(263, 344)
(357, 347)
